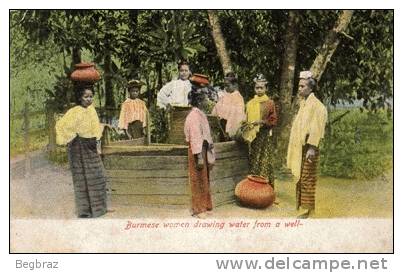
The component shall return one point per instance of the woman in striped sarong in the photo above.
(80, 129)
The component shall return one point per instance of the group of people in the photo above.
(80, 129)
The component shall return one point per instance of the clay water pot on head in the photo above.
(85, 72)
(199, 79)
(255, 191)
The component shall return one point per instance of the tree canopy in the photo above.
(148, 43)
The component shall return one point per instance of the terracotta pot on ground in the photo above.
(255, 191)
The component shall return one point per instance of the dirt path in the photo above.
(47, 193)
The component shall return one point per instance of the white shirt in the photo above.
(175, 93)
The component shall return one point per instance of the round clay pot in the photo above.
(255, 191)
(199, 79)
(85, 72)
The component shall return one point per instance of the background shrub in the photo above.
(359, 145)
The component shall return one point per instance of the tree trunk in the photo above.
(27, 140)
(76, 56)
(178, 37)
(154, 91)
(286, 87)
(289, 106)
(75, 59)
(148, 92)
(158, 68)
(329, 46)
(109, 98)
(50, 124)
(157, 84)
(135, 62)
(219, 41)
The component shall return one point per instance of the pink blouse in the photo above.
(197, 129)
(132, 110)
(230, 107)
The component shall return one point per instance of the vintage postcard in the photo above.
(201, 131)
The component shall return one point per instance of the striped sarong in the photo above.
(199, 183)
(261, 156)
(89, 178)
(306, 186)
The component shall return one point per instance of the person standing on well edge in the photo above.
(133, 114)
(230, 108)
(175, 93)
(308, 128)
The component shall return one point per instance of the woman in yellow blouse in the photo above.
(80, 129)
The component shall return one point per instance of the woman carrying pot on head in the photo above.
(80, 129)
(261, 118)
(175, 93)
(201, 152)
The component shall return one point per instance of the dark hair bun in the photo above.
(182, 62)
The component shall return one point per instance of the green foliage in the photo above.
(362, 66)
(146, 42)
(357, 146)
(254, 40)
(17, 141)
(60, 96)
(171, 35)
(33, 70)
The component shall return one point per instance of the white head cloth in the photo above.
(305, 74)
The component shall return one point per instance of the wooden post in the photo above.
(26, 140)
(51, 123)
(148, 131)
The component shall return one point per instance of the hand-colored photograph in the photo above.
(201, 131)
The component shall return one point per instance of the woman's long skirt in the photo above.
(306, 186)
(89, 178)
(135, 129)
(199, 184)
(261, 155)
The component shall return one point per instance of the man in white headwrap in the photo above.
(308, 128)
